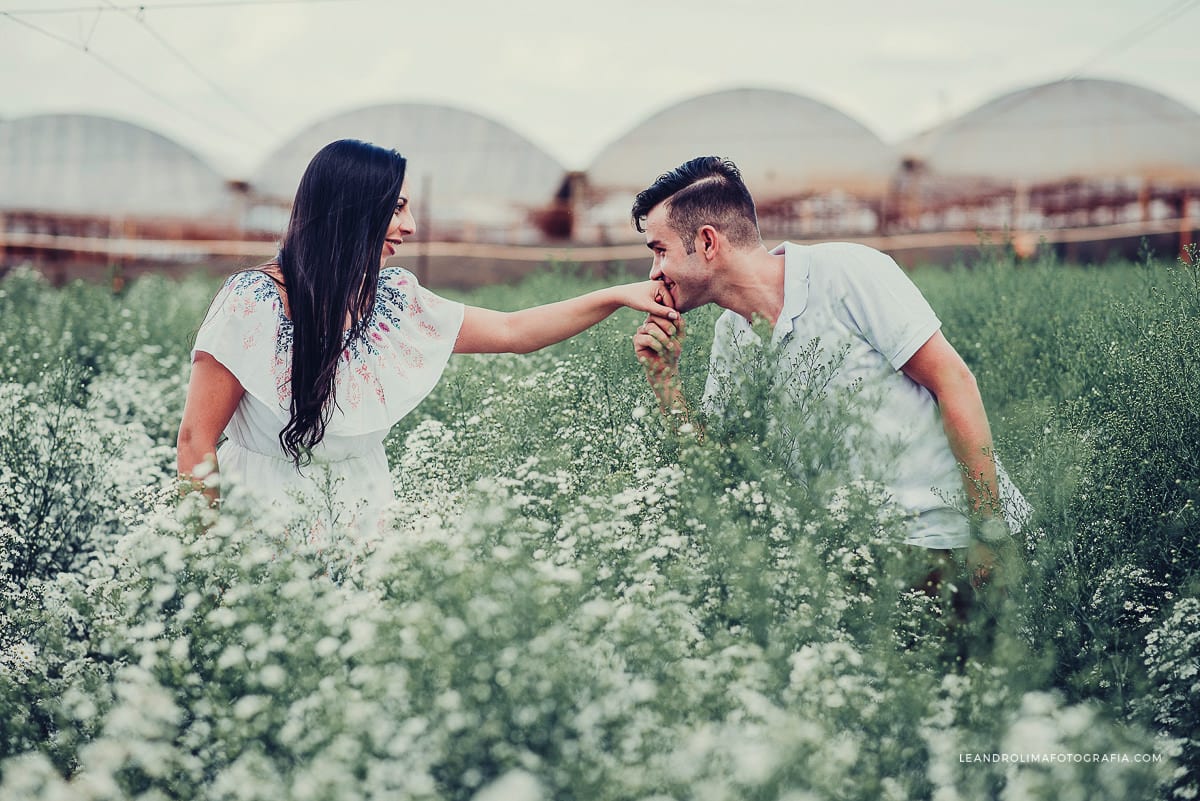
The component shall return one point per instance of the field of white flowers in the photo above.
(575, 602)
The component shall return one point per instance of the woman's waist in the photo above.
(329, 450)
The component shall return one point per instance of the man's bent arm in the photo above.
(938, 367)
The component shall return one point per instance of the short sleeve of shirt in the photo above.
(884, 305)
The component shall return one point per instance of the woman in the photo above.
(306, 362)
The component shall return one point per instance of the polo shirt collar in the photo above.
(795, 288)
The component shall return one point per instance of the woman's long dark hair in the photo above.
(329, 258)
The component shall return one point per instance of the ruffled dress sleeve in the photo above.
(399, 359)
(247, 331)
(384, 373)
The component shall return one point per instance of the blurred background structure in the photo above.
(476, 179)
(1084, 164)
(813, 171)
(1090, 168)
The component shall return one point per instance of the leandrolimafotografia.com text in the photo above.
(1053, 758)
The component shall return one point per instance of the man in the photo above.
(925, 410)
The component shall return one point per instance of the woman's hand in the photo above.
(487, 331)
(212, 396)
(651, 297)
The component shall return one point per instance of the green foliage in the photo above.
(51, 457)
(574, 599)
(1090, 378)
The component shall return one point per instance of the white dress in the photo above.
(383, 375)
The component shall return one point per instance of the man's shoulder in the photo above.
(729, 329)
(840, 265)
(727, 322)
(844, 253)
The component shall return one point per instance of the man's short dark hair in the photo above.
(704, 191)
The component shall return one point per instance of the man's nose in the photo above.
(655, 272)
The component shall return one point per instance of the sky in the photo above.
(235, 79)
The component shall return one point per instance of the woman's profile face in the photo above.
(403, 224)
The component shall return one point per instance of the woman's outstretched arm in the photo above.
(213, 394)
(487, 331)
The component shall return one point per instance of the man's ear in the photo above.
(708, 241)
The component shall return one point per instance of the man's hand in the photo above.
(982, 564)
(658, 344)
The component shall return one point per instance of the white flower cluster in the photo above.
(567, 601)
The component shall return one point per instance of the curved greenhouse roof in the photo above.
(479, 170)
(78, 163)
(1078, 128)
(785, 145)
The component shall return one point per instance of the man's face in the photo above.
(685, 275)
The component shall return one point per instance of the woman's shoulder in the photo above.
(261, 277)
(397, 278)
(398, 289)
(251, 293)
(261, 284)
(401, 291)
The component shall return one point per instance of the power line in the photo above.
(140, 7)
(83, 48)
(1134, 36)
(141, 19)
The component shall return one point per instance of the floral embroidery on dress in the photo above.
(411, 356)
(392, 304)
(283, 385)
(248, 290)
(409, 332)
